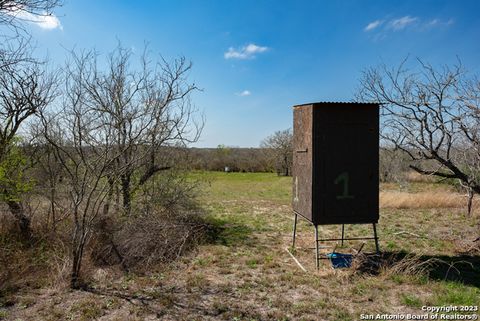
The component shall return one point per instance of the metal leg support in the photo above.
(343, 232)
(377, 247)
(294, 231)
(317, 259)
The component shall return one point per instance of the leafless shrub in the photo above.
(467, 247)
(165, 223)
(34, 264)
(393, 165)
(279, 148)
(411, 264)
(149, 238)
(48, 173)
(160, 238)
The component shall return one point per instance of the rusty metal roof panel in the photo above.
(337, 103)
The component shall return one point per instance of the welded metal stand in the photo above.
(317, 254)
(343, 232)
(375, 236)
(342, 239)
(294, 230)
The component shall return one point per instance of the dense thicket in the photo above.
(92, 155)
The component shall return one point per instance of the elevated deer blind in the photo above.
(335, 164)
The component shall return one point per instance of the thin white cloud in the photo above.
(247, 52)
(433, 22)
(45, 21)
(438, 23)
(372, 25)
(379, 29)
(402, 23)
(244, 93)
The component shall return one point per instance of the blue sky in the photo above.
(254, 60)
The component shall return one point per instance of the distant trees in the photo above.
(274, 155)
(432, 114)
(393, 165)
(223, 156)
(237, 159)
(279, 148)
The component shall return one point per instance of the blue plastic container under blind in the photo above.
(340, 260)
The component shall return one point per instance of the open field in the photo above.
(245, 273)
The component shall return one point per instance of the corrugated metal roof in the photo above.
(337, 103)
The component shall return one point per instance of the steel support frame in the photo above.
(342, 239)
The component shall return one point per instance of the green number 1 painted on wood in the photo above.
(343, 177)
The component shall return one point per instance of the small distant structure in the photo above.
(227, 169)
(335, 166)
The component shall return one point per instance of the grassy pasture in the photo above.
(245, 273)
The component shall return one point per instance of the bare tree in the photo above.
(147, 108)
(86, 159)
(84, 144)
(26, 88)
(14, 38)
(48, 174)
(279, 147)
(109, 132)
(13, 12)
(432, 115)
(16, 47)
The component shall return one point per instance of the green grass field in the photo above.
(245, 273)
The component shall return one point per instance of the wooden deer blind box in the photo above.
(335, 166)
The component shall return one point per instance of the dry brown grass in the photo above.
(411, 265)
(433, 199)
(246, 274)
(414, 177)
(395, 264)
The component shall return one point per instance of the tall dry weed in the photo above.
(433, 199)
(390, 264)
(411, 264)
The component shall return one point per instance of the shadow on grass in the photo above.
(165, 301)
(155, 305)
(461, 268)
(228, 233)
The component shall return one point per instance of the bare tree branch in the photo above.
(432, 114)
